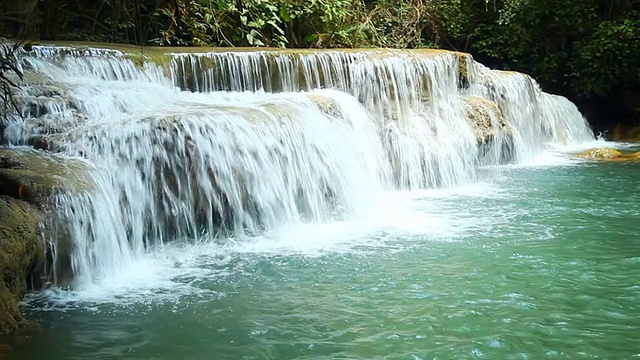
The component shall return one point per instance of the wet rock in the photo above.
(326, 105)
(493, 133)
(35, 176)
(21, 250)
(628, 106)
(464, 60)
(5, 350)
(29, 181)
(485, 118)
(609, 154)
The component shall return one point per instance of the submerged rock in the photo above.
(609, 155)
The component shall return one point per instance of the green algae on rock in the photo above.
(29, 180)
(21, 250)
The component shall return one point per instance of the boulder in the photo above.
(464, 60)
(609, 154)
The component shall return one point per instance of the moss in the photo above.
(463, 69)
(20, 247)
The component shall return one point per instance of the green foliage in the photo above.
(401, 23)
(608, 59)
(582, 47)
(185, 24)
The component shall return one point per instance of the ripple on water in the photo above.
(525, 277)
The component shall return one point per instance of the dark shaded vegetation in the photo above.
(10, 73)
(584, 49)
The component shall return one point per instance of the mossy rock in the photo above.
(35, 176)
(608, 154)
(21, 250)
(463, 77)
(29, 181)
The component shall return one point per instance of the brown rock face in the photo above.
(20, 250)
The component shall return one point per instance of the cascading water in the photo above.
(412, 97)
(258, 141)
(537, 119)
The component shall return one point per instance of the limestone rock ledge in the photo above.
(29, 179)
(485, 118)
(492, 131)
(627, 132)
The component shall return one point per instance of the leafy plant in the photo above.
(582, 47)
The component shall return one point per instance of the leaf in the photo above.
(275, 26)
(284, 13)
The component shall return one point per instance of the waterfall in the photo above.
(238, 143)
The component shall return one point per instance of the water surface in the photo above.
(533, 262)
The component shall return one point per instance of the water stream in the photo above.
(329, 204)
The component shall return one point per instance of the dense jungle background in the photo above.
(586, 50)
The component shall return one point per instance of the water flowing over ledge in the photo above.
(235, 143)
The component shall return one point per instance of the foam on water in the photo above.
(272, 152)
(178, 270)
(538, 120)
(563, 154)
